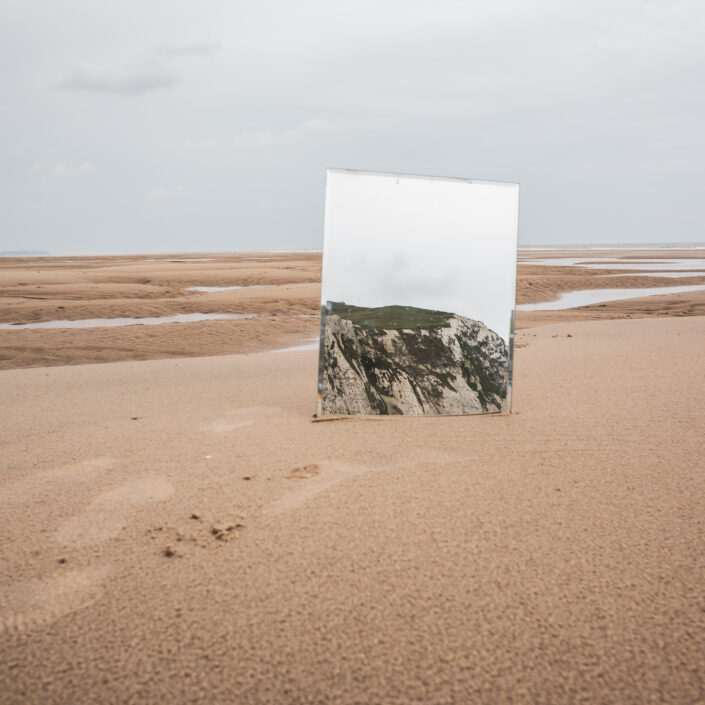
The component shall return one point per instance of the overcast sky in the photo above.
(440, 244)
(186, 125)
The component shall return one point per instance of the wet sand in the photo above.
(282, 289)
(181, 530)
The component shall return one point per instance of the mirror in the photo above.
(418, 295)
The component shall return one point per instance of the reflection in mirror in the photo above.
(417, 302)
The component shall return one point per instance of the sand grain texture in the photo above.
(252, 556)
(177, 529)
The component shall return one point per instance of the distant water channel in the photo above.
(670, 275)
(585, 297)
(114, 322)
(296, 348)
(651, 265)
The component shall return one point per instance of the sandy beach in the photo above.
(281, 290)
(179, 529)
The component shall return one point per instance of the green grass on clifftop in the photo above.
(391, 317)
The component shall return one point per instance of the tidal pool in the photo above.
(673, 264)
(295, 348)
(670, 275)
(585, 297)
(114, 322)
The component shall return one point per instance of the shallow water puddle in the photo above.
(674, 264)
(670, 275)
(114, 322)
(585, 297)
(296, 348)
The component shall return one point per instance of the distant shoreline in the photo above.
(620, 246)
(27, 253)
(521, 248)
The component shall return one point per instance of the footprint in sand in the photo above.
(36, 603)
(318, 477)
(239, 418)
(28, 488)
(322, 476)
(304, 472)
(110, 511)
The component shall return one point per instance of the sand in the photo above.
(283, 289)
(181, 530)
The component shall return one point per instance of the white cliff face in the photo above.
(459, 367)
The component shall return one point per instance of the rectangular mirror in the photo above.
(418, 295)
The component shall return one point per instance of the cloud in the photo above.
(268, 137)
(164, 194)
(595, 109)
(192, 49)
(126, 81)
(64, 169)
(202, 144)
(153, 72)
(317, 125)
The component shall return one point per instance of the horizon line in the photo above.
(527, 246)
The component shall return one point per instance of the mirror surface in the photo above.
(418, 295)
